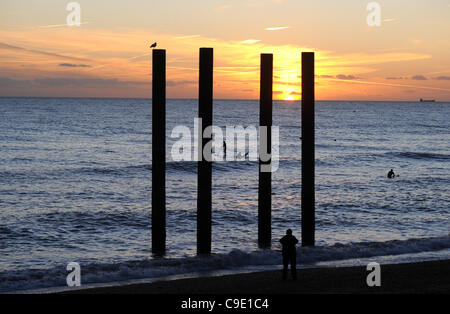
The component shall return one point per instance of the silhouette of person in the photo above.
(289, 253)
(224, 149)
(391, 174)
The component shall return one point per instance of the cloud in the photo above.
(84, 82)
(39, 52)
(277, 28)
(81, 82)
(357, 59)
(178, 83)
(419, 78)
(346, 77)
(287, 83)
(187, 36)
(71, 65)
(250, 41)
(392, 85)
(239, 63)
(442, 78)
(394, 78)
(59, 25)
(321, 76)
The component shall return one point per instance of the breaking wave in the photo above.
(156, 268)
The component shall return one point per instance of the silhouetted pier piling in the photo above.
(204, 183)
(265, 178)
(159, 152)
(204, 172)
(308, 198)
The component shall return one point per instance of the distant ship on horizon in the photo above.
(427, 100)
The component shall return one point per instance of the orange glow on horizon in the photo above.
(289, 98)
(100, 63)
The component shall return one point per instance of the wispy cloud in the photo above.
(129, 59)
(277, 28)
(40, 52)
(321, 76)
(51, 82)
(346, 77)
(419, 78)
(390, 84)
(372, 59)
(442, 78)
(186, 36)
(250, 41)
(58, 25)
(84, 82)
(119, 63)
(71, 65)
(181, 82)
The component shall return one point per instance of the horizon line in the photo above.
(239, 99)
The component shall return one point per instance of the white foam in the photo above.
(235, 260)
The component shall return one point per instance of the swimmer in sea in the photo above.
(391, 174)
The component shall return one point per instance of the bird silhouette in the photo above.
(153, 45)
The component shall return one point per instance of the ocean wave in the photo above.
(419, 155)
(156, 268)
(171, 166)
(57, 225)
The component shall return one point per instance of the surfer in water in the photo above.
(391, 174)
(239, 155)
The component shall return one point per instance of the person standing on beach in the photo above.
(289, 253)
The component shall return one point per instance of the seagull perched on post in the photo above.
(153, 45)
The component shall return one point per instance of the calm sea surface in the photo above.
(75, 185)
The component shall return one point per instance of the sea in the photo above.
(75, 186)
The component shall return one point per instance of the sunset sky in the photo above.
(108, 55)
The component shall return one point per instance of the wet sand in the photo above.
(422, 277)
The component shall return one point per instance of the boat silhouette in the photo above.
(427, 100)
